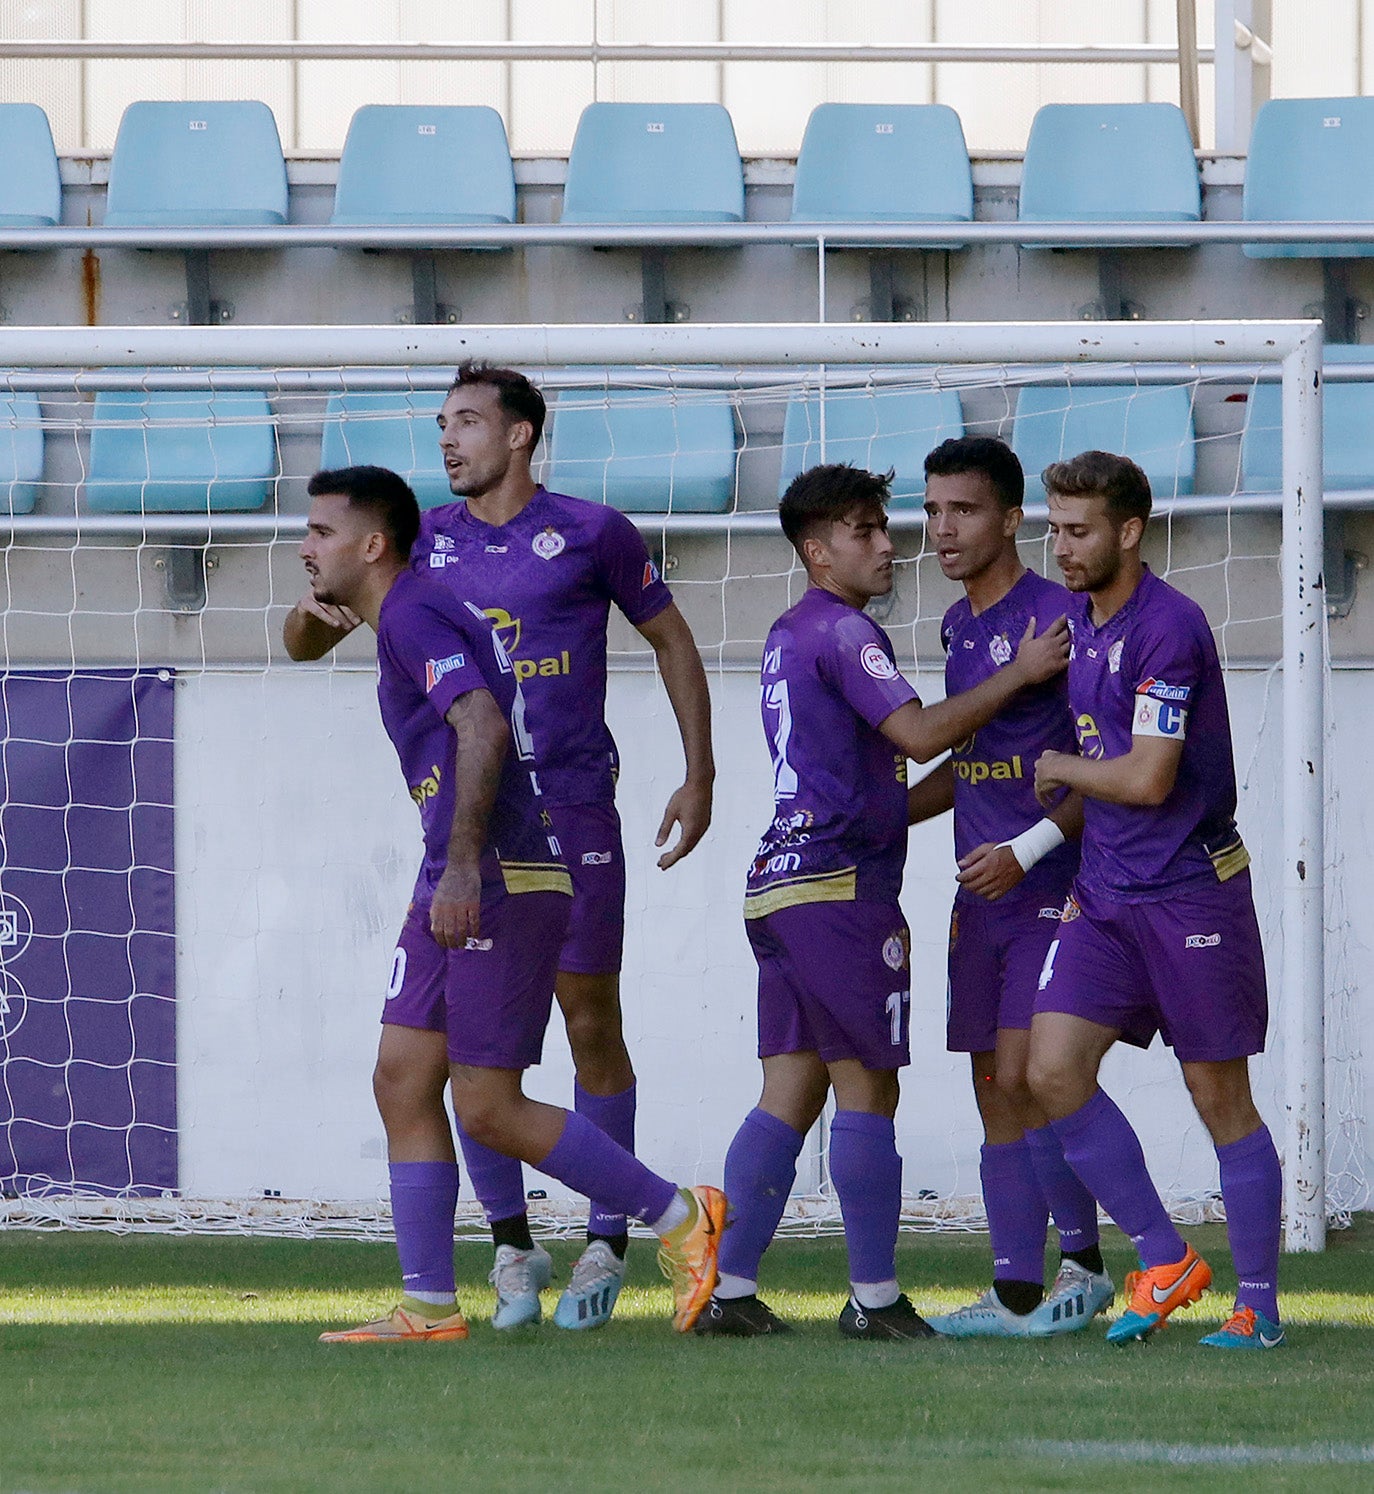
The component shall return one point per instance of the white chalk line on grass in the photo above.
(1215, 1454)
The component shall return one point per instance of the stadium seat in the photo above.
(160, 451)
(418, 164)
(883, 163)
(644, 452)
(1347, 430)
(196, 164)
(21, 451)
(1309, 162)
(1110, 163)
(1151, 424)
(30, 187)
(654, 163)
(874, 428)
(395, 430)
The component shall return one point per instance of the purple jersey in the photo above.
(994, 770)
(1152, 670)
(432, 649)
(839, 786)
(547, 580)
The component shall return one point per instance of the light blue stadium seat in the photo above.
(1151, 424)
(1310, 162)
(883, 163)
(643, 452)
(1110, 163)
(30, 187)
(21, 451)
(654, 163)
(192, 164)
(419, 164)
(165, 451)
(1347, 430)
(395, 430)
(873, 428)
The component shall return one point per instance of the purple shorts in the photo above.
(589, 835)
(492, 998)
(835, 979)
(996, 951)
(1190, 968)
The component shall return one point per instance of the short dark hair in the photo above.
(1102, 474)
(382, 492)
(826, 494)
(989, 458)
(519, 399)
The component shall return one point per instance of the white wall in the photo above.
(296, 853)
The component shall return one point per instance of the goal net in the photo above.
(206, 850)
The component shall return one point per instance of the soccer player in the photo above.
(821, 906)
(545, 568)
(1015, 867)
(480, 946)
(1159, 933)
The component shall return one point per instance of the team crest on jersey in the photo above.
(1071, 910)
(876, 662)
(548, 543)
(894, 950)
(1000, 650)
(436, 669)
(1114, 657)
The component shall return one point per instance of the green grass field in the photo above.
(147, 1363)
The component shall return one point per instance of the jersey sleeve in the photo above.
(437, 648)
(1163, 668)
(859, 664)
(624, 568)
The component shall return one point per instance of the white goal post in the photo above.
(1294, 346)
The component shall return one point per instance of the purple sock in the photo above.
(1017, 1212)
(497, 1181)
(586, 1160)
(1104, 1151)
(1252, 1188)
(760, 1168)
(615, 1114)
(1072, 1207)
(867, 1174)
(423, 1198)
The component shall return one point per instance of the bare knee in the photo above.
(1055, 1085)
(1221, 1095)
(405, 1091)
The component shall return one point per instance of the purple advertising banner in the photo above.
(87, 934)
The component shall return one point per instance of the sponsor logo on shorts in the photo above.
(1000, 649)
(876, 662)
(596, 858)
(1070, 911)
(548, 543)
(480, 946)
(1161, 691)
(1114, 657)
(1202, 941)
(436, 669)
(650, 575)
(1050, 913)
(894, 952)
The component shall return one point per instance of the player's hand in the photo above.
(455, 916)
(989, 871)
(690, 810)
(339, 618)
(1041, 658)
(1049, 777)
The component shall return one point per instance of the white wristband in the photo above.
(1032, 844)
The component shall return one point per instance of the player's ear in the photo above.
(520, 436)
(813, 551)
(1131, 532)
(1011, 521)
(374, 547)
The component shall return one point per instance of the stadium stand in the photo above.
(1151, 425)
(30, 186)
(1347, 430)
(644, 455)
(388, 429)
(21, 451)
(878, 429)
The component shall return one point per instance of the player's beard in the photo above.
(1098, 574)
